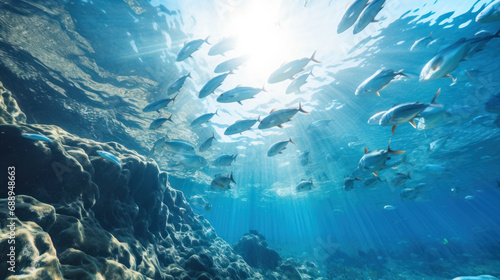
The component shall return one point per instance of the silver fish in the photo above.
(224, 160)
(175, 86)
(180, 147)
(447, 60)
(239, 94)
(207, 143)
(432, 117)
(203, 118)
(109, 156)
(191, 160)
(240, 126)
(160, 143)
(231, 64)
(490, 14)
(319, 124)
(158, 122)
(351, 15)
(405, 112)
(400, 179)
(438, 144)
(349, 183)
(479, 41)
(222, 183)
(189, 48)
(290, 69)
(378, 81)
(159, 104)
(278, 147)
(279, 117)
(375, 160)
(304, 186)
(295, 85)
(375, 119)
(38, 137)
(212, 85)
(368, 15)
(421, 43)
(223, 46)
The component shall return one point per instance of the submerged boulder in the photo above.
(253, 248)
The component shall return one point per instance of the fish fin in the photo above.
(375, 20)
(375, 173)
(291, 141)
(412, 122)
(280, 125)
(239, 86)
(302, 110)
(408, 175)
(284, 148)
(314, 59)
(359, 179)
(401, 73)
(311, 73)
(392, 151)
(378, 93)
(366, 150)
(394, 129)
(264, 88)
(189, 75)
(239, 102)
(217, 110)
(173, 99)
(470, 76)
(170, 118)
(258, 118)
(273, 110)
(450, 76)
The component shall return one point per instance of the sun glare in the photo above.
(256, 25)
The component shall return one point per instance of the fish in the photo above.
(199, 200)
(479, 41)
(203, 118)
(351, 15)
(304, 186)
(438, 144)
(180, 147)
(319, 124)
(212, 85)
(368, 15)
(189, 48)
(159, 104)
(371, 182)
(223, 46)
(443, 63)
(239, 94)
(295, 85)
(38, 137)
(109, 156)
(375, 160)
(400, 179)
(240, 126)
(158, 122)
(224, 160)
(175, 86)
(191, 160)
(207, 143)
(349, 183)
(278, 147)
(279, 117)
(378, 81)
(469, 197)
(405, 112)
(490, 13)
(290, 69)
(222, 182)
(432, 117)
(422, 42)
(493, 104)
(304, 158)
(434, 169)
(389, 207)
(231, 64)
(160, 143)
(375, 119)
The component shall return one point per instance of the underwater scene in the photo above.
(250, 139)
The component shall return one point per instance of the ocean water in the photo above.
(441, 222)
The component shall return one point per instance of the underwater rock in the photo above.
(253, 248)
(80, 216)
(480, 277)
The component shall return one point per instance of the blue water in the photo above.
(456, 214)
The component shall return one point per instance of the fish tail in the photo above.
(393, 151)
(314, 59)
(231, 177)
(408, 175)
(213, 135)
(264, 88)
(258, 118)
(497, 34)
(291, 141)
(234, 157)
(217, 110)
(433, 102)
(400, 73)
(302, 110)
(174, 98)
(311, 73)
(170, 118)
(206, 40)
(189, 75)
